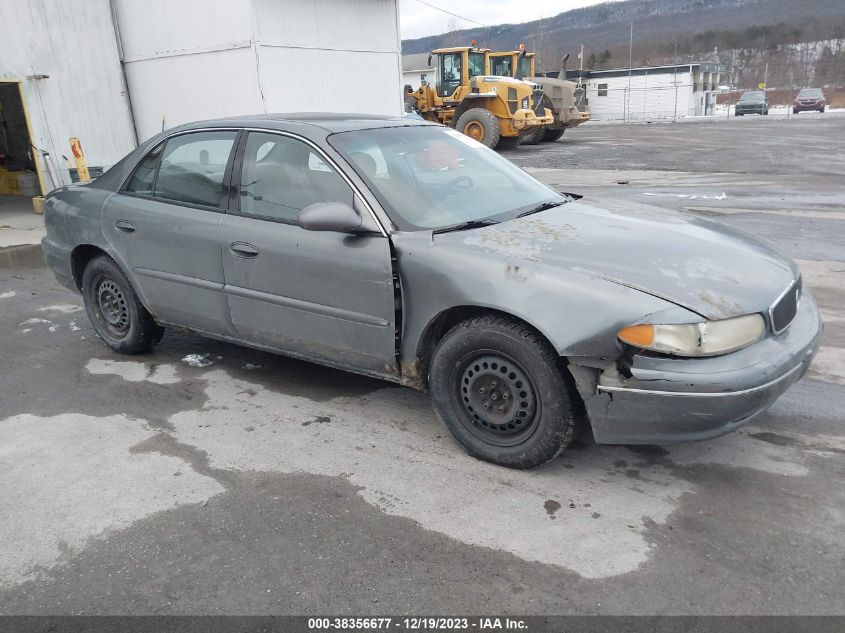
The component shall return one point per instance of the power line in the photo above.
(428, 4)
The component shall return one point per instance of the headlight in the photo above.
(709, 338)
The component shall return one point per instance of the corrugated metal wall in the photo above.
(197, 59)
(73, 43)
(651, 97)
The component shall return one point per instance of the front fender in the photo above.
(578, 314)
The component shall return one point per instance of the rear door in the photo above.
(314, 294)
(164, 228)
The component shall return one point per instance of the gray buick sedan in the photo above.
(403, 250)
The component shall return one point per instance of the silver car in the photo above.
(403, 250)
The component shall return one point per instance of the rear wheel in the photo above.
(118, 317)
(498, 387)
(822, 109)
(481, 125)
(552, 134)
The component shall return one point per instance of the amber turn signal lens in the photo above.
(639, 335)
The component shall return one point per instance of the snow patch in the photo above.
(7, 295)
(33, 321)
(198, 360)
(65, 308)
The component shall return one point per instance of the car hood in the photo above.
(701, 265)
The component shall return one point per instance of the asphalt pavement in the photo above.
(205, 478)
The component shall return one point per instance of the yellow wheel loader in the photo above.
(565, 99)
(495, 111)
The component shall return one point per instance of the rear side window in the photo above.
(143, 178)
(193, 166)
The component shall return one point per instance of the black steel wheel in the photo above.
(118, 317)
(500, 389)
(500, 404)
(112, 308)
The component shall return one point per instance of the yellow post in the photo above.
(81, 165)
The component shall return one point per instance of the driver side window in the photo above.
(281, 176)
(450, 69)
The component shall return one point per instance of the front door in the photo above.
(164, 229)
(313, 294)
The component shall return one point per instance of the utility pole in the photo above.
(630, 64)
(675, 80)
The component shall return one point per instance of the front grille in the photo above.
(539, 106)
(785, 308)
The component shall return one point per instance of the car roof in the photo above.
(328, 121)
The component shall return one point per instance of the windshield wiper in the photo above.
(470, 224)
(551, 204)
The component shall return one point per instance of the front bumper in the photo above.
(524, 119)
(681, 399)
(807, 107)
(575, 117)
(59, 260)
(752, 109)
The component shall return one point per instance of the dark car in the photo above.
(809, 99)
(404, 250)
(753, 102)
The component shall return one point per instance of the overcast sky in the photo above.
(419, 20)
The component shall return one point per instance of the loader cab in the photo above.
(512, 64)
(456, 66)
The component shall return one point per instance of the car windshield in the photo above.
(809, 92)
(431, 177)
(752, 96)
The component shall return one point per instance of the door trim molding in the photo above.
(306, 306)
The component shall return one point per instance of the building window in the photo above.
(602, 90)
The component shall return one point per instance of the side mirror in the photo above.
(330, 216)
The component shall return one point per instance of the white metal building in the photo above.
(415, 69)
(657, 92)
(115, 72)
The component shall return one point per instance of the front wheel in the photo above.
(498, 387)
(552, 134)
(116, 313)
(534, 136)
(481, 125)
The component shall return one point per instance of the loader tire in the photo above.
(481, 125)
(534, 136)
(552, 134)
(509, 142)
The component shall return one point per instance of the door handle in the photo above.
(125, 226)
(243, 249)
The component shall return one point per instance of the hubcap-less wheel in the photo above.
(499, 401)
(112, 306)
(474, 130)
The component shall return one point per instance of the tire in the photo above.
(480, 124)
(515, 371)
(534, 136)
(765, 112)
(509, 142)
(552, 134)
(738, 113)
(794, 111)
(118, 317)
(822, 109)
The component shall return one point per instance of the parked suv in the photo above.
(809, 99)
(753, 102)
